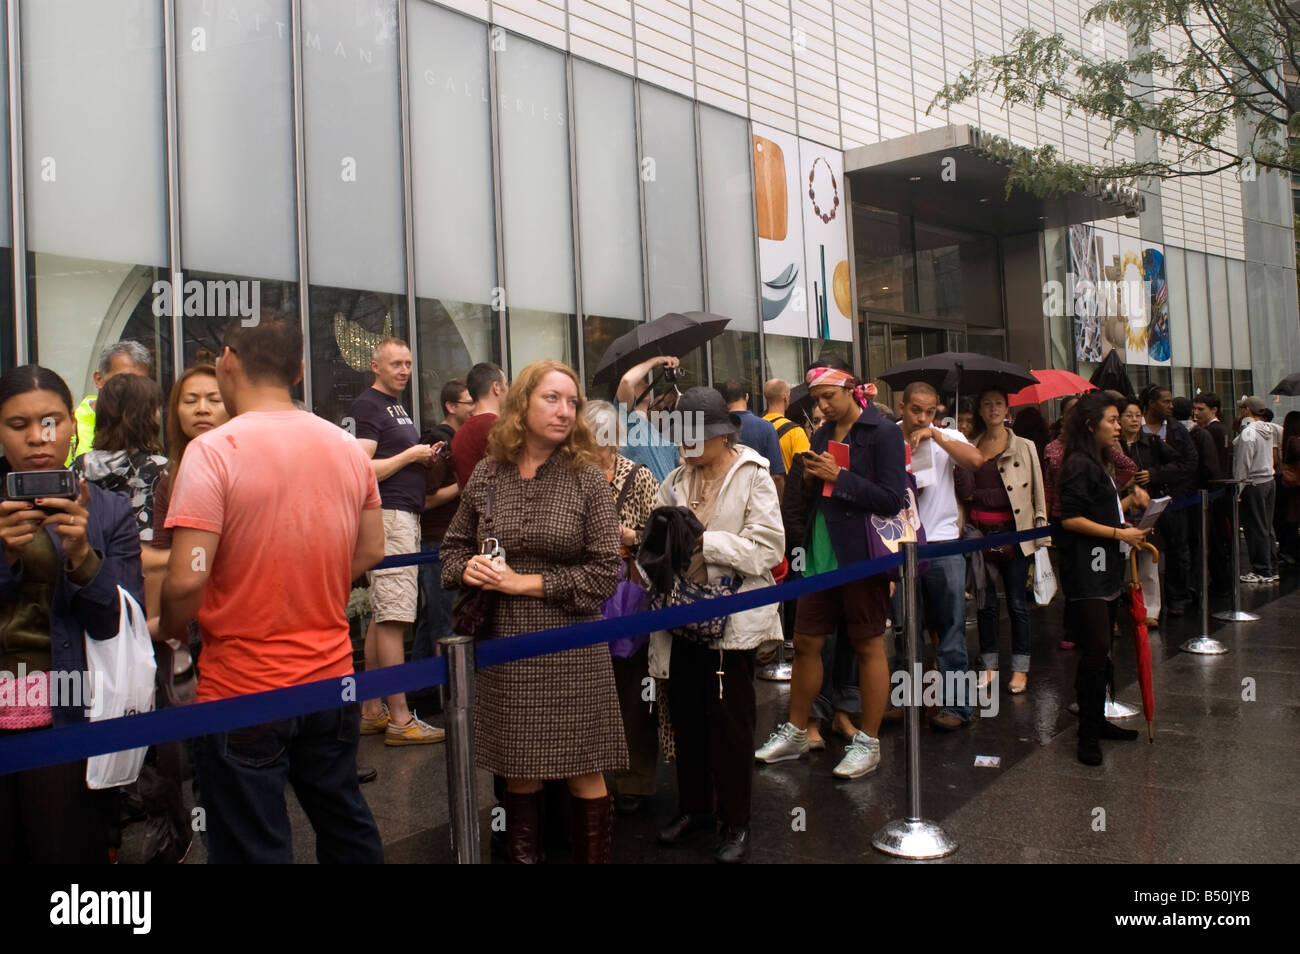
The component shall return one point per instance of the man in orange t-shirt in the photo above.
(273, 517)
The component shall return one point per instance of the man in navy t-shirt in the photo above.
(387, 434)
(755, 432)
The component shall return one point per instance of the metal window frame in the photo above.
(17, 183)
(408, 206)
(300, 197)
(171, 78)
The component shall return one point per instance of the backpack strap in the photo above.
(627, 487)
(785, 428)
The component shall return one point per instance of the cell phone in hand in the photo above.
(32, 485)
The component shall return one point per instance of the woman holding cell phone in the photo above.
(63, 562)
(856, 467)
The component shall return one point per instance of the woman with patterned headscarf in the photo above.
(874, 482)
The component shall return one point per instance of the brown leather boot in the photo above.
(593, 824)
(523, 827)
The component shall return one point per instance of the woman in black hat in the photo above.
(729, 488)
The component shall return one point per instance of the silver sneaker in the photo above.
(1273, 578)
(785, 744)
(1251, 578)
(862, 757)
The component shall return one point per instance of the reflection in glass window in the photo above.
(735, 356)
(352, 141)
(224, 300)
(882, 249)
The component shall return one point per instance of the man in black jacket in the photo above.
(1177, 480)
(1208, 470)
(1206, 408)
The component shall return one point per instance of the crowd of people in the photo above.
(242, 532)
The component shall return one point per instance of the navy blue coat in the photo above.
(93, 608)
(874, 482)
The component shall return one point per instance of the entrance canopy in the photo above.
(949, 176)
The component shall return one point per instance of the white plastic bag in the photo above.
(1044, 577)
(121, 671)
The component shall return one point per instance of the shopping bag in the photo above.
(121, 673)
(1044, 577)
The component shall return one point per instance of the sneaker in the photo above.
(378, 724)
(1273, 578)
(783, 745)
(414, 732)
(862, 757)
(1251, 578)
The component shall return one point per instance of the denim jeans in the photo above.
(1015, 574)
(433, 618)
(943, 609)
(244, 773)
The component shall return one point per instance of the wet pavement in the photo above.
(1217, 785)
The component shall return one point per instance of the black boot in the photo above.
(1090, 689)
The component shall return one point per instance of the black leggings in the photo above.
(1094, 621)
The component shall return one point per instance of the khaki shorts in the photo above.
(393, 592)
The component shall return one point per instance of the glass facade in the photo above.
(398, 167)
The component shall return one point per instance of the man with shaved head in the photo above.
(792, 438)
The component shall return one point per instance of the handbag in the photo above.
(1044, 577)
(474, 608)
(629, 599)
(685, 593)
(1003, 553)
(122, 673)
(886, 535)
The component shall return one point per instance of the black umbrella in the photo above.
(1288, 386)
(801, 404)
(1111, 376)
(954, 372)
(671, 334)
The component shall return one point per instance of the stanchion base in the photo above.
(913, 839)
(1204, 646)
(1114, 710)
(1235, 616)
(776, 672)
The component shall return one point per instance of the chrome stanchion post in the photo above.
(1236, 614)
(913, 836)
(1204, 645)
(466, 848)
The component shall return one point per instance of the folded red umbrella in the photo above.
(1141, 637)
(1051, 384)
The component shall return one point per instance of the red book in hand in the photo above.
(840, 452)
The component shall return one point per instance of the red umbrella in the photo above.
(1141, 640)
(1051, 384)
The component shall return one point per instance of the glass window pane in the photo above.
(223, 296)
(235, 90)
(787, 357)
(725, 150)
(735, 357)
(1220, 316)
(535, 182)
(1240, 321)
(671, 201)
(96, 184)
(1198, 310)
(1179, 330)
(609, 204)
(353, 145)
(454, 216)
(357, 260)
(882, 249)
(93, 129)
(455, 228)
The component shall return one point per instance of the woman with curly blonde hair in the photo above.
(545, 513)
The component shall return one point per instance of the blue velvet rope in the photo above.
(28, 750)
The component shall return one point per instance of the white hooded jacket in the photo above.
(746, 538)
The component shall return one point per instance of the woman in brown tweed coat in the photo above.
(554, 716)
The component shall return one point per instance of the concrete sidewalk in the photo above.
(1218, 784)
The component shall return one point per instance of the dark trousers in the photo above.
(1177, 559)
(48, 816)
(640, 724)
(1094, 621)
(1257, 520)
(244, 773)
(715, 736)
